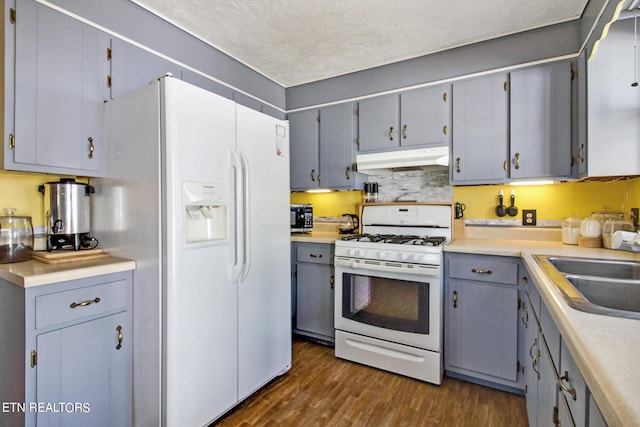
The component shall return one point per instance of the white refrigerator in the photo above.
(196, 191)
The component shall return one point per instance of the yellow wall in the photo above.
(332, 204)
(20, 190)
(554, 201)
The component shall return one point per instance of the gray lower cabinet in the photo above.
(55, 85)
(556, 393)
(323, 148)
(68, 356)
(411, 119)
(314, 291)
(481, 310)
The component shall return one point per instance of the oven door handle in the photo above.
(419, 269)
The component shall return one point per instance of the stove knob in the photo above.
(352, 252)
(404, 256)
(362, 253)
(418, 258)
(382, 255)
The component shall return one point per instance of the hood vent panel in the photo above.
(369, 163)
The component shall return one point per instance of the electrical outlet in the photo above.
(529, 217)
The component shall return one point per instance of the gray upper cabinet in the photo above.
(416, 118)
(480, 144)
(323, 148)
(337, 146)
(425, 117)
(378, 123)
(303, 128)
(540, 122)
(513, 127)
(60, 74)
(133, 67)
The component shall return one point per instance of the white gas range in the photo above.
(388, 289)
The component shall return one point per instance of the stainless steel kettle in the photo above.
(349, 224)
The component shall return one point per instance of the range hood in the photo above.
(368, 163)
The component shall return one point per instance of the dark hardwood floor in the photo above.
(321, 390)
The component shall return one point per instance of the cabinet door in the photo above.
(482, 322)
(480, 134)
(541, 122)
(425, 117)
(613, 113)
(378, 120)
(530, 359)
(60, 87)
(87, 366)
(337, 146)
(133, 68)
(547, 388)
(303, 128)
(315, 299)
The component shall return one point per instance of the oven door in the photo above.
(386, 301)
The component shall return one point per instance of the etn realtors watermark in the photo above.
(54, 407)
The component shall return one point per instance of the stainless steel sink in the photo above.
(596, 267)
(608, 287)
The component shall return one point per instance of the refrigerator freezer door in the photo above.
(264, 290)
(200, 381)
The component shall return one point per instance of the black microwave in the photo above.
(301, 218)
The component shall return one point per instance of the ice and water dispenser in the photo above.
(206, 212)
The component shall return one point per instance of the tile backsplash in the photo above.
(424, 184)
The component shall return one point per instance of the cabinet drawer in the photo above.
(75, 304)
(484, 269)
(318, 253)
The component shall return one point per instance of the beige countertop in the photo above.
(35, 273)
(317, 237)
(606, 349)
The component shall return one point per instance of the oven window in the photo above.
(399, 305)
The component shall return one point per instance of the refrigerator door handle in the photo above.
(246, 244)
(236, 268)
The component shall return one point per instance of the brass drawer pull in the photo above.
(120, 337)
(455, 299)
(564, 387)
(315, 255)
(91, 147)
(481, 271)
(85, 303)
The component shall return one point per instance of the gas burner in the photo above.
(397, 239)
(430, 241)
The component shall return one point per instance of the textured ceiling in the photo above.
(300, 41)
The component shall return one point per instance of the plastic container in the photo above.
(571, 230)
(16, 237)
(610, 226)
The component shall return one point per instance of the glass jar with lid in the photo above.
(571, 230)
(16, 237)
